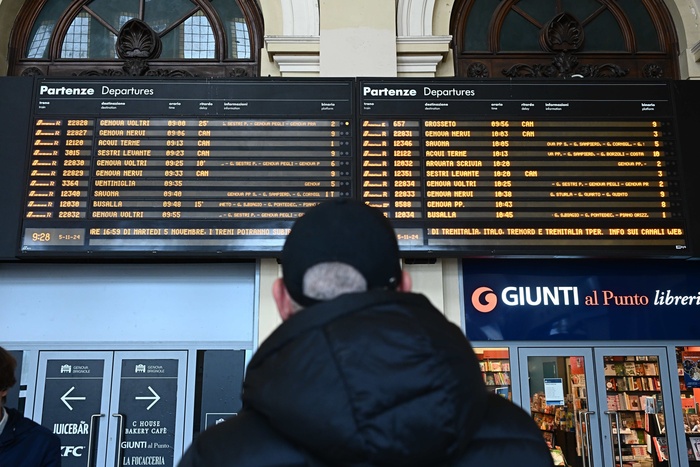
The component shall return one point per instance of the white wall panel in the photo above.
(127, 303)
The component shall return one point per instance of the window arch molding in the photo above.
(221, 60)
(630, 56)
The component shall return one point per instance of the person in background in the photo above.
(362, 372)
(23, 442)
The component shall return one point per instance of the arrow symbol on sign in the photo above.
(155, 398)
(65, 398)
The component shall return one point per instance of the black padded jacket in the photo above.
(372, 379)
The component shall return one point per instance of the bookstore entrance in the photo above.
(602, 406)
(603, 354)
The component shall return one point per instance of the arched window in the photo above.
(564, 38)
(137, 38)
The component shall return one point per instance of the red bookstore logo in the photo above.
(484, 300)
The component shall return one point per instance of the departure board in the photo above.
(522, 168)
(208, 167)
(182, 165)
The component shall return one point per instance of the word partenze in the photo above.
(427, 91)
(81, 91)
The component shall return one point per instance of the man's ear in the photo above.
(285, 306)
(406, 282)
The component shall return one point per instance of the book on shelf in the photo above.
(638, 420)
(632, 383)
(630, 369)
(634, 402)
(558, 456)
(694, 442)
(493, 365)
(501, 379)
(629, 421)
(623, 401)
(649, 404)
(639, 451)
(660, 422)
(619, 368)
(691, 420)
(621, 384)
(661, 448)
(654, 423)
(691, 369)
(609, 369)
(651, 369)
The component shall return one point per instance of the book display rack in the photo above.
(635, 405)
(495, 369)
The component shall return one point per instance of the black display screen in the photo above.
(182, 166)
(556, 168)
(204, 168)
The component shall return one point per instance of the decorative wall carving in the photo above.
(564, 35)
(138, 47)
(32, 71)
(562, 42)
(136, 40)
(136, 44)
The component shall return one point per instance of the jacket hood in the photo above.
(378, 378)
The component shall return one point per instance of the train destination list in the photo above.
(458, 167)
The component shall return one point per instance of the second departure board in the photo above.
(182, 165)
(523, 168)
(200, 168)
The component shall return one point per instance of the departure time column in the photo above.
(502, 182)
(173, 172)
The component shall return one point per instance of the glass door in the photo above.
(688, 369)
(602, 407)
(560, 394)
(635, 384)
(114, 409)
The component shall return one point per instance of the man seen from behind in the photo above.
(362, 372)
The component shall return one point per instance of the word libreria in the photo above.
(570, 295)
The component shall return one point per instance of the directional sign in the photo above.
(155, 398)
(65, 398)
(148, 404)
(72, 394)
